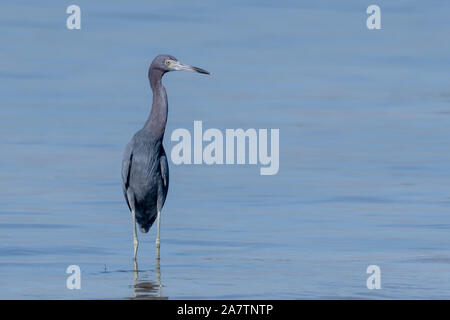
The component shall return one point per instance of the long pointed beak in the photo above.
(180, 67)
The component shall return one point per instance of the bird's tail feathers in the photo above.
(145, 223)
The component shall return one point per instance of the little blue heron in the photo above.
(145, 172)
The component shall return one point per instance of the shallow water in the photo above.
(364, 150)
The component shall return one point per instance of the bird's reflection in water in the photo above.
(144, 288)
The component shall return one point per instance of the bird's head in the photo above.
(167, 63)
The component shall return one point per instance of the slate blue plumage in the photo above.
(145, 170)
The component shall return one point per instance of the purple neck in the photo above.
(156, 122)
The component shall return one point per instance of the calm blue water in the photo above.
(364, 177)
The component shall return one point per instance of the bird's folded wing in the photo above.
(164, 170)
(126, 169)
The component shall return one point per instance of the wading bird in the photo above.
(145, 171)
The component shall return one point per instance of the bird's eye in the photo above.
(167, 62)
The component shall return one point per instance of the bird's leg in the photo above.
(158, 277)
(158, 239)
(136, 268)
(135, 239)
